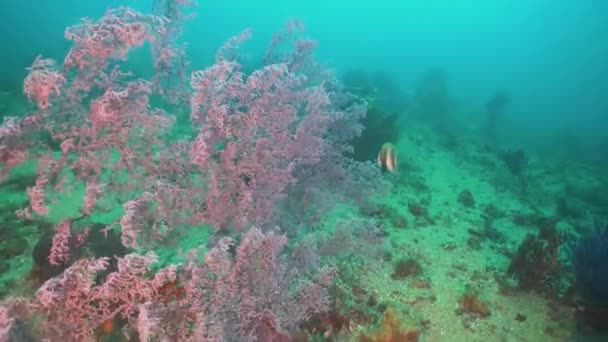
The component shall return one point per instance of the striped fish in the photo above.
(387, 158)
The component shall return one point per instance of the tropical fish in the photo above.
(387, 158)
(108, 326)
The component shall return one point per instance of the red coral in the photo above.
(268, 123)
(60, 249)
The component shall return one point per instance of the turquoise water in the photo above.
(390, 171)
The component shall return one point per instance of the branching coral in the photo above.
(589, 257)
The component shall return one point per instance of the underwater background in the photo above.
(175, 170)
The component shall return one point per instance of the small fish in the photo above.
(108, 326)
(387, 158)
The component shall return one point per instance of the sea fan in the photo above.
(590, 265)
